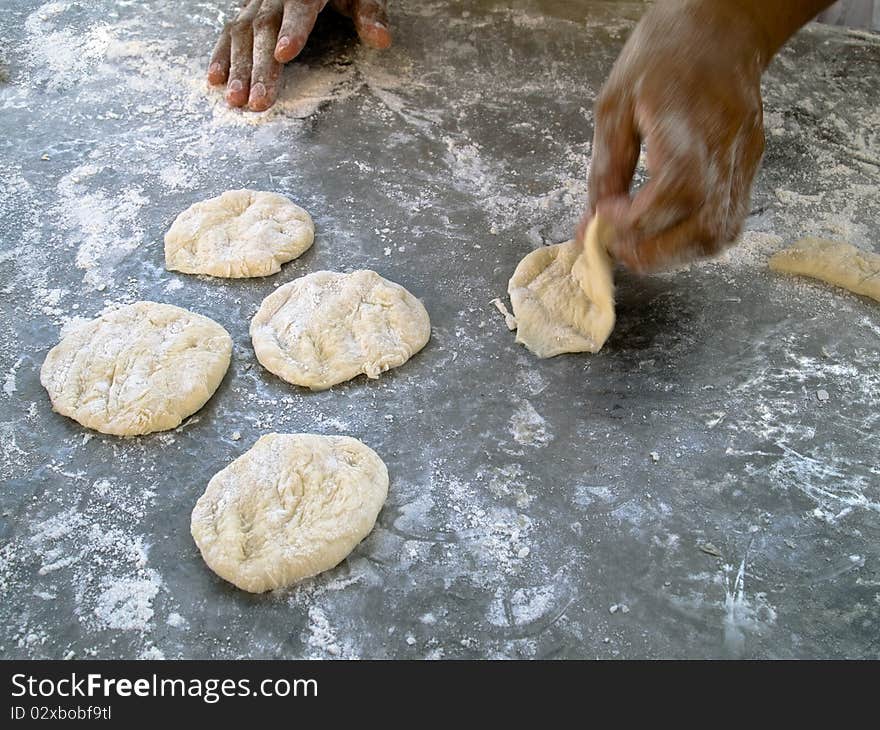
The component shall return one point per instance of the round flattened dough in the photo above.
(292, 506)
(325, 328)
(563, 295)
(241, 233)
(141, 368)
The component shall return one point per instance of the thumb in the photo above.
(371, 23)
(616, 144)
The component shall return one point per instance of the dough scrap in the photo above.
(239, 234)
(325, 328)
(563, 295)
(841, 264)
(291, 507)
(141, 368)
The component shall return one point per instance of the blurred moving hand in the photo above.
(688, 85)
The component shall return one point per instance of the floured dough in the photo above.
(141, 368)
(241, 233)
(563, 296)
(837, 263)
(291, 507)
(326, 328)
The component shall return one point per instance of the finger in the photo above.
(218, 68)
(611, 209)
(751, 151)
(266, 70)
(615, 148)
(678, 184)
(686, 241)
(299, 20)
(371, 23)
(242, 55)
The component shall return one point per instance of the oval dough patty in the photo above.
(291, 507)
(138, 369)
(563, 296)
(325, 328)
(841, 264)
(241, 233)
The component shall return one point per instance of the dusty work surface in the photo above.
(707, 486)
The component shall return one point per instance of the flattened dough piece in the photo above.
(138, 369)
(841, 264)
(240, 234)
(292, 506)
(325, 328)
(563, 295)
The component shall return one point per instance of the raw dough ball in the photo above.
(325, 328)
(240, 234)
(837, 263)
(563, 296)
(291, 507)
(138, 369)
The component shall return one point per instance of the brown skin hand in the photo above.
(266, 34)
(688, 85)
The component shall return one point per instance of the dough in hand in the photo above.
(837, 263)
(292, 506)
(138, 369)
(563, 295)
(241, 233)
(325, 328)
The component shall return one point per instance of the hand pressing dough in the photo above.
(837, 263)
(563, 295)
(325, 328)
(138, 369)
(241, 233)
(292, 506)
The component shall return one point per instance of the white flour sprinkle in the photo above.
(9, 380)
(528, 427)
(523, 606)
(127, 604)
(321, 635)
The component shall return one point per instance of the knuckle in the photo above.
(240, 26)
(266, 19)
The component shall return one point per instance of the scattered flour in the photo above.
(177, 621)
(127, 604)
(321, 635)
(741, 614)
(9, 381)
(523, 606)
(528, 427)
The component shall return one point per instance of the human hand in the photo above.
(688, 85)
(268, 33)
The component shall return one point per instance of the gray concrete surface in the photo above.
(684, 493)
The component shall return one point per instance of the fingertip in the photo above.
(289, 47)
(216, 74)
(261, 97)
(236, 93)
(282, 49)
(375, 35)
